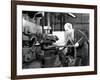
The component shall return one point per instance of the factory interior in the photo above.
(47, 42)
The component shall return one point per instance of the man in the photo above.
(80, 49)
(68, 52)
(69, 38)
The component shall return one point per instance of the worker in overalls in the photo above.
(82, 48)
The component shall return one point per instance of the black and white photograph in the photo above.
(51, 40)
(55, 39)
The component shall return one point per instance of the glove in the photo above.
(76, 45)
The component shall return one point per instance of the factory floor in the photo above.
(38, 63)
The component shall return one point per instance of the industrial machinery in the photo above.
(40, 47)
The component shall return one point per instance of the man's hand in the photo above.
(76, 45)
